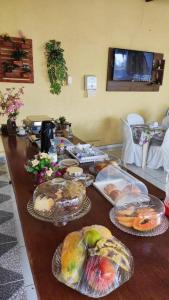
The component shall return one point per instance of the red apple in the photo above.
(100, 273)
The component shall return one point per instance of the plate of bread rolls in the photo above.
(114, 189)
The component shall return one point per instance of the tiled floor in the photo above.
(156, 177)
(16, 280)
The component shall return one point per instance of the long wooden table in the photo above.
(151, 255)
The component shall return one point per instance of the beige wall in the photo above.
(86, 29)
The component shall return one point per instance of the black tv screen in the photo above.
(132, 65)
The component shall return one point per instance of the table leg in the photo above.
(144, 155)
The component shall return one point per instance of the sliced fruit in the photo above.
(146, 223)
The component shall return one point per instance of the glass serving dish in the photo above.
(59, 197)
(92, 261)
(139, 214)
(113, 182)
(86, 153)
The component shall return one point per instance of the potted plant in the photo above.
(26, 71)
(10, 103)
(18, 54)
(56, 65)
(44, 168)
(7, 41)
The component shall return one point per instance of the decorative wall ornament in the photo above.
(16, 61)
(56, 65)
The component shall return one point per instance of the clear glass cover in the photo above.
(138, 213)
(113, 182)
(92, 261)
(58, 196)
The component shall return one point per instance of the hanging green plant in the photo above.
(56, 65)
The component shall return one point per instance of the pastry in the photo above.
(66, 196)
(115, 194)
(72, 258)
(44, 204)
(130, 188)
(74, 171)
(110, 188)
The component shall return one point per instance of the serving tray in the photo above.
(78, 154)
(156, 231)
(85, 208)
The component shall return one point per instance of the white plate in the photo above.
(68, 162)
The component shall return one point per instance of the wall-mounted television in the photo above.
(132, 65)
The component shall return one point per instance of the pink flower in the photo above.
(10, 102)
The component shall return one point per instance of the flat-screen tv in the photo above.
(132, 65)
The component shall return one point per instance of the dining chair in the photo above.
(158, 156)
(165, 122)
(134, 118)
(167, 112)
(131, 152)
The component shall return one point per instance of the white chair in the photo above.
(167, 112)
(158, 156)
(131, 152)
(135, 119)
(165, 122)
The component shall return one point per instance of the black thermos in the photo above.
(46, 135)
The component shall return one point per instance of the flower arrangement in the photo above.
(43, 167)
(10, 102)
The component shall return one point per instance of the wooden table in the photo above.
(151, 255)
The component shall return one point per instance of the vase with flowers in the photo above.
(10, 104)
(44, 168)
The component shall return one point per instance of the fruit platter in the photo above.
(113, 182)
(86, 153)
(92, 261)
(140, 214)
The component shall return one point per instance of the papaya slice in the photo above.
(146, 223)
(126, 220)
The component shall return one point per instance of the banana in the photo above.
(114, 250)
